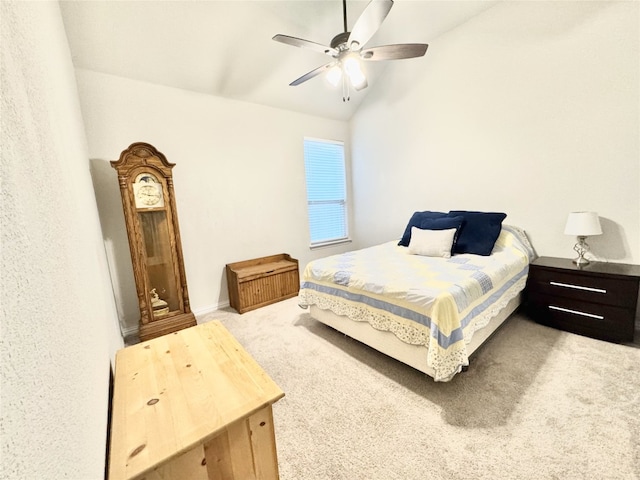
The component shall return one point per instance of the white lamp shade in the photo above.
(583, 224)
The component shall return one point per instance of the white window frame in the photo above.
(344, 201)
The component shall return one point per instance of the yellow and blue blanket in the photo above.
(435, 302)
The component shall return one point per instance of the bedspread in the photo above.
(435, 302)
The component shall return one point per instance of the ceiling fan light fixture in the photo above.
(347, 51)
(353, 69)
(334, 75)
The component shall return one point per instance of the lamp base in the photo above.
(581, 261)
(581, 249)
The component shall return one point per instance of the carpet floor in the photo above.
(536, 403)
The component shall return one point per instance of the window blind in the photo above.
(326, 190)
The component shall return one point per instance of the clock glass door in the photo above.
(161, 271)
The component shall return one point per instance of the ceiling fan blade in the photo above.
(394, 52)
(299, 42)
(313, 73)
(368, 23)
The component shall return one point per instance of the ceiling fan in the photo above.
(348, 48)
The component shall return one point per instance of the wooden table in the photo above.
(192, 405)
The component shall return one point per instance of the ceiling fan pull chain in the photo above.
(345, 89)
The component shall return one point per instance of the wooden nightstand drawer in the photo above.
(588, 288)
(597, 300)
(592, 319)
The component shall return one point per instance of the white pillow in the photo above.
(431, 243)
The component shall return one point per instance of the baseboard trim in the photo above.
(131, 332)
(204, 311)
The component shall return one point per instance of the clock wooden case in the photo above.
(148, 200)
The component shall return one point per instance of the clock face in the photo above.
(148, 191)
(149, 195)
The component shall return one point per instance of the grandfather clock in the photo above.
(148, 200)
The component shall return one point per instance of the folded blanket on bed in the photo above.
(431, 301)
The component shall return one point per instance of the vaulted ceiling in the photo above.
(224, 48)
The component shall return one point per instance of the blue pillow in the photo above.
(415, 221)
(479, 231)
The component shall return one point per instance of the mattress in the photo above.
(438, 303)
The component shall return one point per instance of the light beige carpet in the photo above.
(536, 403)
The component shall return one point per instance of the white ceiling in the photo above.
(224, 48)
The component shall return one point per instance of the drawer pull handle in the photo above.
(578, 287)
(576, 312)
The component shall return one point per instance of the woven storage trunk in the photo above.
(262, 281)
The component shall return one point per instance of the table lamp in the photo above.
(582, 225)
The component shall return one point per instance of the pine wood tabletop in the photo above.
(179, 391)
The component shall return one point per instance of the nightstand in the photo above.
(599, 300)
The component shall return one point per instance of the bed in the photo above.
(427, 310)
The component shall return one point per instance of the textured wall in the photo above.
(58, 316)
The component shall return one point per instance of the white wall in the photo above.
(531, 108)
(59, 324)
(239, 178)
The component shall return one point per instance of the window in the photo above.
(326, 191)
